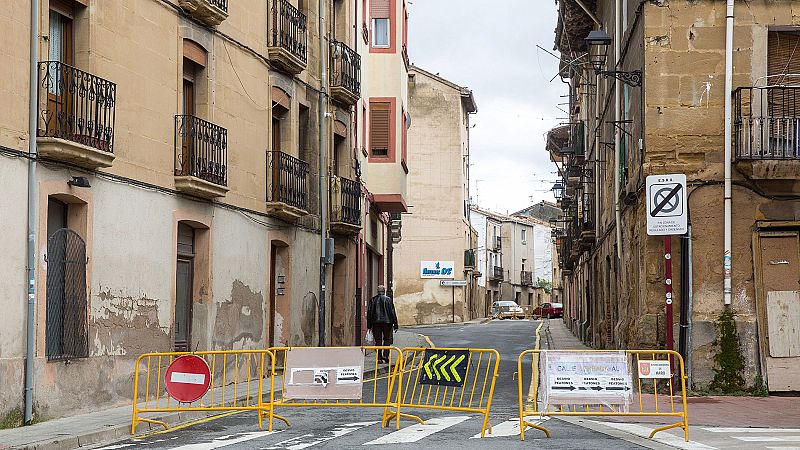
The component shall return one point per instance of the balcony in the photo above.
(210, 12)
(526, 278)
(201, 157)
(287, 188)
(345, 74)
(288, 45)
(469, 259)
(496, 274)
(76, 116)
(345, 206)
(497, 243)
(766, 126)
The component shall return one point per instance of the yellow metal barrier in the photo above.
(475, 380)
(237, 383)
(377, 388)
(651, 397)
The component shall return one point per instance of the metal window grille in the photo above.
(67, 330)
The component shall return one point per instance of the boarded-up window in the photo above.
(379, 128)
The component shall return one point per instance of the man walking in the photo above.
(382, 319)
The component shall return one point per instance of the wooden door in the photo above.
(273, 282)
(779, 308)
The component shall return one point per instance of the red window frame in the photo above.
(392, 153)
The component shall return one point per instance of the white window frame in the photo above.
(388, 32)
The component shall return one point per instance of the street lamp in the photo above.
(601, 40)
(558, 190)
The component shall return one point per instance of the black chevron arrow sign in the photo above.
(444, 367)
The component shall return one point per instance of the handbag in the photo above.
(369, 338)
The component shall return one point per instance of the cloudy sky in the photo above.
(492, 50)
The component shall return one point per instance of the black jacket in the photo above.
(381, 310)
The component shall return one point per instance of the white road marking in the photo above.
(750, 430)
(417, 432)
(309, 440)
(111, 447)
(768, 438)
(188, 378)
(664, 438)
(509, 427)
(783, 448)
(224, 441)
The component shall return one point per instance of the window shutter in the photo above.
(783, 58)
(379, 128)
(380, 9)
(783, 54)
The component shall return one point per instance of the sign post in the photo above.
(667, 215)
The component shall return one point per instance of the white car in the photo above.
(505, 309)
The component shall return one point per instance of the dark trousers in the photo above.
(384, 336)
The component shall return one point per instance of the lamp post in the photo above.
(601, 40)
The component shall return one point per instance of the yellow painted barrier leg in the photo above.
(669, 427)
(389, 415)
(155, 422)
(526, 424)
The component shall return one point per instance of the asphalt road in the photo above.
(336, 428)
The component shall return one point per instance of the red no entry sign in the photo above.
(187, 378)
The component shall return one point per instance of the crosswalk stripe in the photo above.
(508, 428)
(224, 441)
(768, 438)
(750, 430)
(417, 432)
(300, 442)
(664, 438)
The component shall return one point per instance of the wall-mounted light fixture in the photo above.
(600, 40)
(81, 182)
(558, 190)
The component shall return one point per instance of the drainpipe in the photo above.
(323, 173)
(617, 133)
(30, 341)
(726, 269)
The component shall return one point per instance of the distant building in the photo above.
(437, 234)
(544, 211)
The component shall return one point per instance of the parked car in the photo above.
(549, 310)
(505, 309)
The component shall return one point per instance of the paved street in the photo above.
(338, 428)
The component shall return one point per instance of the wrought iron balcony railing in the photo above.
(221, 4)
(80, 107)
(766, 123)
(289, 29)
(469, 258)
(497, 273)
(287, 180)
(345, 201)
(526, 278)
(345, 68)
(201, 150)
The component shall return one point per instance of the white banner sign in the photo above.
(437, 269)
(591, 378)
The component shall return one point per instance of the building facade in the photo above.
(438, 229)
(189, 159)
(651, 100)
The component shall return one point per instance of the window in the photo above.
(380, 33)
(66, 322)
(61, 36)
(380, 129)
(381, 13)
(523, 236)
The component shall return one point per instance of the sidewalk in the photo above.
(714, 421)
(114, 423)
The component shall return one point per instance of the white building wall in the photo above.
(543, 253)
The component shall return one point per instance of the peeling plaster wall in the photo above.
(13, 297)
(131, 292)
